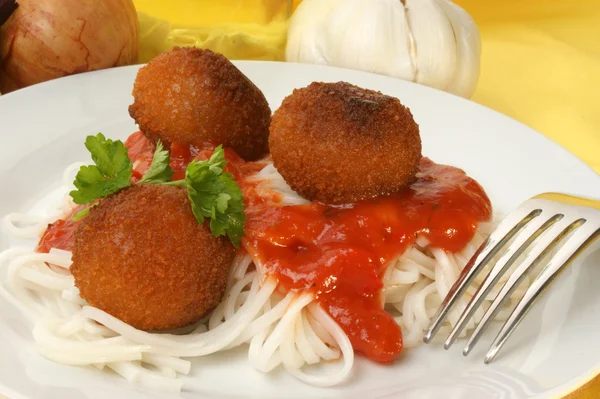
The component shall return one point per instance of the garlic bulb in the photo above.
(432, 42)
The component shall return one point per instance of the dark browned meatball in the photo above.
(338, 143)
(142, 256)
(195, 96)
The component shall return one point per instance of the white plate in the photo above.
(554, 351)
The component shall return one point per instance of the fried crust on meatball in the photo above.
(198, 97)
(338, 143)
(142, 256)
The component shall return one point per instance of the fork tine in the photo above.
(581, 239)
(532, 231)
(538, 252)
(499, 237)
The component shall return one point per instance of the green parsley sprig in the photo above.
(213, 193)
(111, 172)
(159, 171)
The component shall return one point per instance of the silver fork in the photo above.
(556, 215)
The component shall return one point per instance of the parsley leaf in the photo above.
(159, 171)
(215, 194)
(111, 172)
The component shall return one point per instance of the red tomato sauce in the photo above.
(59, 235)
(338, 252)
(341, 252)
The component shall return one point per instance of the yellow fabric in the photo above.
(238, 29)
(591, 390)
(215, 12)
(541, 66)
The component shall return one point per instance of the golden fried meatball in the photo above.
(142, 256)
(338, 143)
(195, 96)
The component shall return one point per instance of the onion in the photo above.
(7, 7)
(47, 39)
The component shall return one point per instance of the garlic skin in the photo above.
(431, 42)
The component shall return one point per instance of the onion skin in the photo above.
(7, 7)
(48, 39)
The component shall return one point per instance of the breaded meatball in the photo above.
(195, 96)
(142, 256)
(338, 143)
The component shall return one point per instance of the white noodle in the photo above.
(69, 174)
(25, 226)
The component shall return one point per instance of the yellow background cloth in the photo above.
(238, 29)
(541, 65)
